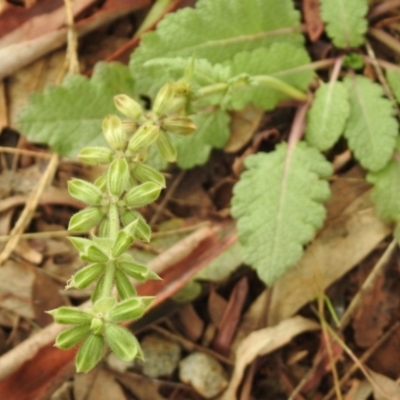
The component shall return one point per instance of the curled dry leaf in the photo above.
(262, 342)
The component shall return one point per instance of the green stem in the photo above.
(113, 217)
(108, 280)
(274, 83)
(210, 90)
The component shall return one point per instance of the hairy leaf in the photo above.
(69, 117)
(278, 205)
(371, 129)
(274, 62)
(386, 191)
(213, 132)
(328, 115)
(345, 21)
(215, 30)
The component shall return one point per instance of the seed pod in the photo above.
(128, 265)
(122, 342)
(144, 137)
(70, 316)
(182, 126)
(101, 182)
(166, 148)
(145, 173)
(114, 133)
(96, 294)
(124, 286)
(127, 106)
(127, 310)
(124, 239)
(118, 176)
(71, 337)
(104, 305)
(90, 353)
(85, 192)
(85, 219)
(84, 277)
(163, 99)
(96, 155)
(142, 195)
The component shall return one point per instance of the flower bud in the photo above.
(104, 228)
(86, 219)
(142, 195)
(118, 176)
(145, 173)
(163, 99)
(128, 265)
(84, 277)
(90, 353)
(70, 316)
(96, 155)
(124, 239)
(97, 326)
(127, 106)
(101, 182)
(144, 137)
(166, 148)
(182, 126)
(71, 337)
(114, 133)
(129, 127)
(125, 288)
(129, 309)
(85, 192)
(122, 342)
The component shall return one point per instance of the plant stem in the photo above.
(283, 87)
(113, 217)
(108, 280)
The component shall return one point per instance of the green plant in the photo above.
(225, 69)
(112, 199)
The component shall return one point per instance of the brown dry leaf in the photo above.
(243, 125)
(373, 315)
(341, 245)
(383, 387)
(97, 385)
(216, 306)
(360, 390)
(142, 388)
(262, 342)
(312, 17)
(190, 324)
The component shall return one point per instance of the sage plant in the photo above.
(112, 200)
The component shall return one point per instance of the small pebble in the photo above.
(204, 373)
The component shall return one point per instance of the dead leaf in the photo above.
(243, 125)
(189, 322)
(312, 17)
(262, 342)
(341, 245)
(383, 387)
(97, 384)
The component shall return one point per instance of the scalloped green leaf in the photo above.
(371, 129)
(213, 132)
(69, 117)
(273, 61)
(345, 21)
(215, 30)
(327, 116)
(386, 191)
(278, 206)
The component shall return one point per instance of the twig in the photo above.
(29, 209)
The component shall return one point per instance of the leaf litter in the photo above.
(274, 330)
